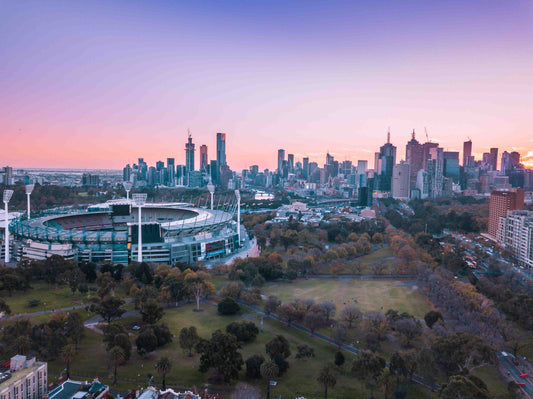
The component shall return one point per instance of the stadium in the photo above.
(170, 233)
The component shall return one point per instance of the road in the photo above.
(514, 373)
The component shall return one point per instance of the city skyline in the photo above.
(83, 80)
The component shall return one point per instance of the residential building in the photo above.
(515, 234)
(25, 379)
(401, 181)
(221, 149)
(501, 202)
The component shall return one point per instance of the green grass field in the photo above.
(366, 294)
(50, 297)
(299, 380)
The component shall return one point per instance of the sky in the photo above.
(98, 84)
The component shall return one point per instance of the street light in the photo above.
(6, 197)
(238, 195)
(127, 186)
(139, 199)
(211, 188)
(29, 189)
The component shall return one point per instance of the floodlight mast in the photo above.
(211, 188)
(139, 199)
(6, 197)
(238, 195)
(127, 186)
(29, 190)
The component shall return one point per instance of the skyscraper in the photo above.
(281, 159)
(189, 154)
(305, 168)
(494, 158)
(414, 157)
(221, 149)
(203, 157)
(500, 203)
(467, 152)
(401, 181)
(290, 161)
(171, 170)
(386, 160)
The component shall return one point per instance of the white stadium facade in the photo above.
(171, 233)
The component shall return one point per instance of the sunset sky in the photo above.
(97, 84)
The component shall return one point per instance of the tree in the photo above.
(287, 312)
(244, 331)
(188, 338)
(460, 351)
(278, 349)
(271, 305)
(228, 306)
(314, 320)
(146, 342)
(269, 370)
(109, 307)
(116, 335)
(67, 355)
(339, 359)
(198, 285)
(469, 386)
(351, 315)
(329, 309)
(116, 357)
(74, 328)
(409, 329)
(386, 382)
(327, 379)
(368, 367)
(163, 367)
(432, 317)
(304, 351)
(253, 366)
(73, 277)
(221, 352)
(151, 311)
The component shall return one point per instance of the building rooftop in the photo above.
(15, 375)
(78, 390)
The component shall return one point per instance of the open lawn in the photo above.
(49, 296)
(366, 294)
(384, 255)
(299, 380)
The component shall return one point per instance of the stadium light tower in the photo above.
(29, 190)
(6, 197)
(127, 186)
(139, 199)
(238, 195)
(211, 188)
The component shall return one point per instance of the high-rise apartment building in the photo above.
(515, 234)
(203, 157)
(189, 155)
(500, 203)
(401, 181)
(221, 149)
(467, 152)
(27, 379)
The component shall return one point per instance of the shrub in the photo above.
(228, 306)
(244, 331)
(33, 303)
